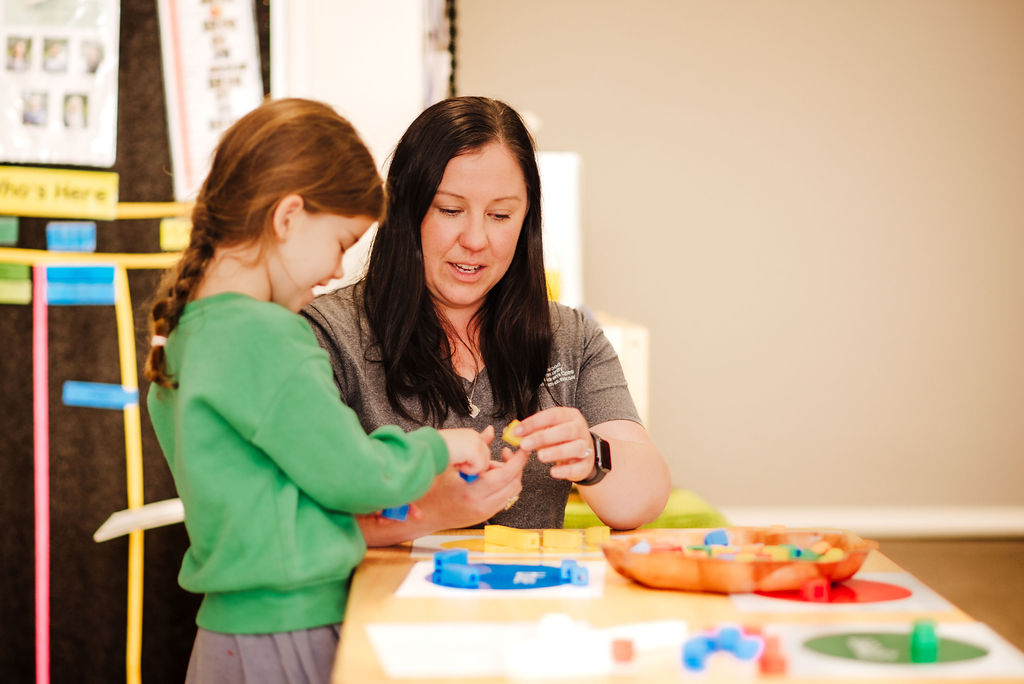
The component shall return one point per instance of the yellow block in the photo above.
(510, 536)
(597, 535)
(174, 234)
(832, 555)
(562, 539)
(507, 433)
(58, 193)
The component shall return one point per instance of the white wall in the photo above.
(816, 209)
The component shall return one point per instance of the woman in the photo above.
(455, 329)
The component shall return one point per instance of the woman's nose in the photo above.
(473, 235)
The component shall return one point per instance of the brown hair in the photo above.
(283, 147)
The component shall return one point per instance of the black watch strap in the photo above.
(602, 462)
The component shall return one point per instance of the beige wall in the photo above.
(818, 210)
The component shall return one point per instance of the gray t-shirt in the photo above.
(584, 372)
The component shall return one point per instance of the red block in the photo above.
(817, 590)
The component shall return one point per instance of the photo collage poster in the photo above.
(58, 84)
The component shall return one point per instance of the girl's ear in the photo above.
(285, 214)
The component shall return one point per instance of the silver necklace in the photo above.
(474, 410)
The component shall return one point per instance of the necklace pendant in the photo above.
(474, 410)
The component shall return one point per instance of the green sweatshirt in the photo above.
(270, 466)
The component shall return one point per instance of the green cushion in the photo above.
(684, 509)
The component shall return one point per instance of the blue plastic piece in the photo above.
(572, 573)
(468, 478)
(749, 648)
(451, 556)
(728, 638)
(396, 512)
(696, 651)
(716, 538)
(98, 395)
(642, 546)
(74, 236)
(458, 575)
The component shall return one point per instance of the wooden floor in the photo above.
(985, 578)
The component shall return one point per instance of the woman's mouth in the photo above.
(468, 269)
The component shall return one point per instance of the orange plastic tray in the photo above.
(671, 569)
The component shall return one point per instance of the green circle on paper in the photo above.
(888, 648)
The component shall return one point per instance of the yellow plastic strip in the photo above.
(133, 458)
(16, 255)
(146, 210)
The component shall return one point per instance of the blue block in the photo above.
(468, 478)
(457, 575)
(572, 573)
(749, 648)
(716, 538)
(451, 556)
(396, 512)
(74, 236)
(696, 651)
(98, 395)
(729, 638)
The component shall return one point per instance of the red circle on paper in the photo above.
(850, 591)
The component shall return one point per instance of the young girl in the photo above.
(269, 464)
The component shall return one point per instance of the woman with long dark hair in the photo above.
(452, 326)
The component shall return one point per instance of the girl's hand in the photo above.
(468, 450)
(560, 436)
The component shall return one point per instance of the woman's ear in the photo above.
(286, 213)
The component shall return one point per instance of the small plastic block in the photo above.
(696, 651)
(924, 643)
(698, 550)
(98, 395)
(745, 557)
(508, 436)
(716, 538)
(772, 661)
(816, 590)
(457, 575)
(794, 551)
(808, 555)
(561, 539)
(642, 546)
(749, 648)
(597, 535)
(510, 536)
(467, 477)
(573, 573)
(722, 549)
(728, 638)
(72, 236)
(622, 650)
(451, 557)
(8, 231)
(777, 553)
(396, 512)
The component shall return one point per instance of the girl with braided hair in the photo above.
(270, 465)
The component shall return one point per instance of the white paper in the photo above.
(212, 77)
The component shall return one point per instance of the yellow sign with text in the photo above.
(58, 193)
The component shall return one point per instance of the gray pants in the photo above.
(304, 656)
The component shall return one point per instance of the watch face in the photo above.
(603, 454)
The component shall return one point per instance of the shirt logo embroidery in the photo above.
(557, 374)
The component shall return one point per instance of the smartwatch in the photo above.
(602, 461)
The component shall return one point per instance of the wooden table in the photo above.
(372, 600)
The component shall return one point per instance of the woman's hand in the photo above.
(468, 450)
(560, 436)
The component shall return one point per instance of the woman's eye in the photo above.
(501, 217)
(448, 212)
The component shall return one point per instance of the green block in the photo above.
(15, 291)
(14, 271)
(684, 509)
(924, 643)
(8, 230)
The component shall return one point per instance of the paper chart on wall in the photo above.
(58, 85)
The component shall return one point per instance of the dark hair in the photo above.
(283, 147)
(514, 321)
